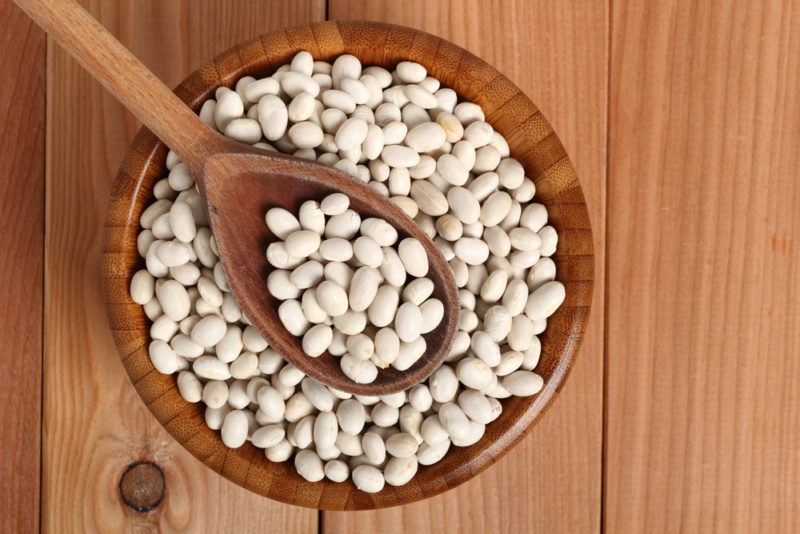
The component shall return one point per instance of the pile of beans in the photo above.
(436, 158)
(355, 314)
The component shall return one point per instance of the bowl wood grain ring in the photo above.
(532, 141)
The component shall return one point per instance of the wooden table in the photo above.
(681, 414)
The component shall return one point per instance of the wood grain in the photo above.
(529, 136)
(94, 422)
(551, 481)
(704, 258)
(22, 107)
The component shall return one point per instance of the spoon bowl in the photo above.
(241, 187)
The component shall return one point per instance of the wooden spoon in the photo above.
(240, 183)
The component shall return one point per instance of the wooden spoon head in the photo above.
(241, 187)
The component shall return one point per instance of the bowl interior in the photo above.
(532, 142)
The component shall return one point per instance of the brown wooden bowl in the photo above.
(532, 141)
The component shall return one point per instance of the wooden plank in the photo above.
(22, 103)
(704, 258)
(557, 53)
(95, 424)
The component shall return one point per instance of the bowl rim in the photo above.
(537, 148)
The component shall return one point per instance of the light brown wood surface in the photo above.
(703, 268)
(551, 481)
(22, 71)
(94, 422)
(702, 383)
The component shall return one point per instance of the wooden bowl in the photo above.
(532, 141)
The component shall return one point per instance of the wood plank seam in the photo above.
(604, 427)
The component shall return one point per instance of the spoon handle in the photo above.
(125, 77)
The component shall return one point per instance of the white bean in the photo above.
(142, 287)
(429, 199)
(443, 384)
(229, 106)
(344, 225)
(511, 173)
(280, 452)
(309, 466)
(234, 429)
(332, 298)
(326, 428)
(351, 134)
(479, 133)
(432, 311)
(368, 478)
(334, 98)
(382, 232)
(385, 415)
(244, 130)
(414, 257)
(452, 169)
(420, 397)
(189, 386)
(297, 407)
(399, 156)
(368, 251)
(476, 406)
(351, 416)
(497, 322)
(410, 352)
(430, 454)
(306, 275)
(282, 222)
(549, 239)
(337, 471)
(454, 421)
(544, 300)
(408, 322)
(360, 346)
(294, 83)
(382, 310)
(174, 300)
(317, 340)
(306, 134)
(474, 373)
(163, 357)
(292, 317)
(209, 331)
(256, 90)
(520, 336)
(268, 436)
(363, 288)
(452, 127)
(471, 251)
(359, 371)
(273, 117)
(215, 393)
(495, 208)
(387, 347)
(523, 383)
(400, 471)
(432, 431)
